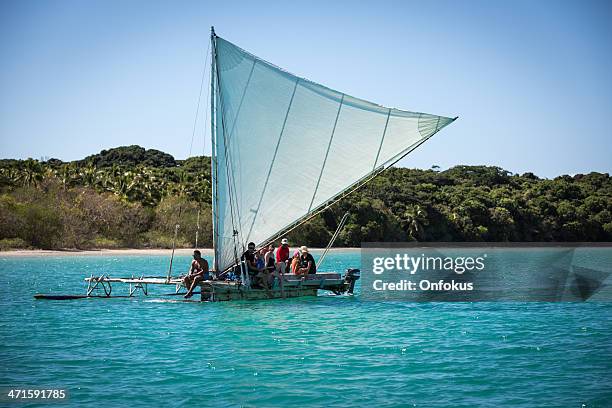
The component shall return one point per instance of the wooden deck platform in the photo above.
(213, 290)
(216, 290)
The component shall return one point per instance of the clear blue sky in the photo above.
(530, 80)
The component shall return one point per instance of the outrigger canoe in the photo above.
(284, 149)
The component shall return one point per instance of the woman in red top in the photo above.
(282, 255)
(282, 259)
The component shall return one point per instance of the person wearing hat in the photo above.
(198, 272)
(307, 262)
(282, 259)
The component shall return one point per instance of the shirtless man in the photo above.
(197, 273)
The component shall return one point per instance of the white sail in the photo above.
(285, 146)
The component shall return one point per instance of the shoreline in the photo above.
(15, 253)
(127, 251)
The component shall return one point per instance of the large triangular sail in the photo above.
(284, 147)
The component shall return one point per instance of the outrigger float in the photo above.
(284, 149)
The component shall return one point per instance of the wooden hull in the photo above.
(293, 286)
(222, 294)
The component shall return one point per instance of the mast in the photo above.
(227, 173)
(213, 140)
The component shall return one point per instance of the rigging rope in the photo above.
(195, 122)
(333, 239)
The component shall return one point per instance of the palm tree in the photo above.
(151, 187)
(31, 173)
(89, 174)
(123, 185)
(9, 176)
(415, 218)
(181, 188)
(67, 174)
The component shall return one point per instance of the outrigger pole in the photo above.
(197, 228)
(176, 228)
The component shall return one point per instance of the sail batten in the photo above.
(291, 147)
(331, 139)
(382, 140)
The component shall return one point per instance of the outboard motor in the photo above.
(350, 277)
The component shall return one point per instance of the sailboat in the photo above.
(284, 149)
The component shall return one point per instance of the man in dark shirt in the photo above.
(307, 262)
(249, 258)
(251, 264)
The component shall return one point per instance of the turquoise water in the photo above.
(339, 351)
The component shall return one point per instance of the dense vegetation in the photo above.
(132, 197)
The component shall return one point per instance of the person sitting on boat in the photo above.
(270, 264)
(307, 262)
(295, 264)
(250, 258)
(260, 259)
(198, 272)
(282, 258)
(265, 262)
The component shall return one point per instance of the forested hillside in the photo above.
(132, 197)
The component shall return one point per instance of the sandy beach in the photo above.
(126, 251)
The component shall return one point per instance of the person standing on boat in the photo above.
(307, 262)
(198, 272)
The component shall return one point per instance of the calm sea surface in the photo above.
(329, 350)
